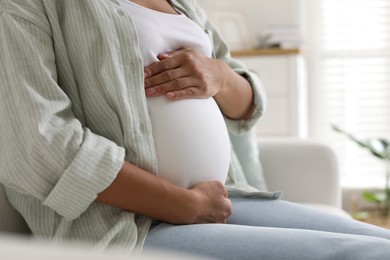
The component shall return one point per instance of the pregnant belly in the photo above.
(191, 140)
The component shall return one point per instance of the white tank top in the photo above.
(190, 136)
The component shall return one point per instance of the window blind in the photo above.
(353, 70)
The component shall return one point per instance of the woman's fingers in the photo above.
(214, 206)
(165, 77)
(161, 66)
(178, 87)
(182, 74)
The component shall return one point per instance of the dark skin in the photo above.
(186, 74)
(182, 74)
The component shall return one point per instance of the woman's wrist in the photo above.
(186, 207)
(235, 96)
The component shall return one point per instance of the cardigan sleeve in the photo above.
(45, 151)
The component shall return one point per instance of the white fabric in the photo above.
(306, 170)
(197, 147)
(162, 32)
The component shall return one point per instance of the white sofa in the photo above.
(305, 170)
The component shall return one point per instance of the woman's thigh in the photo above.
(283, 214)
(228, 241)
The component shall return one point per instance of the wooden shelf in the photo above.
(265, 52)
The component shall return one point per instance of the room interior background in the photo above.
(337, 74)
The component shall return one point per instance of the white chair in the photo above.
(305, 170)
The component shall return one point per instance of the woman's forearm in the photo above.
(141, 192)
(235, 98)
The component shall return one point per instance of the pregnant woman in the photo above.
(187, 154)
(114, 131)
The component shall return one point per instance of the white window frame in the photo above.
(317, 129)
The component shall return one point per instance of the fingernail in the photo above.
(170, 95)
(162, 56)
(150, 91)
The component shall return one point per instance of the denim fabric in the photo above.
(264, 229)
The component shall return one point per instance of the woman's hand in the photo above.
(211, 204)
(183, 74)
(137, 190)
(186, 73)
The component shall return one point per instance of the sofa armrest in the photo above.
(305, 170)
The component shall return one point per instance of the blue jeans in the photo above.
(274, 229)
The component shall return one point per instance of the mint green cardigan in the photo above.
(73, 109)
